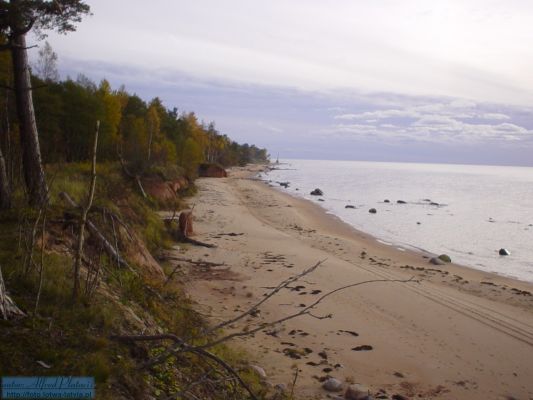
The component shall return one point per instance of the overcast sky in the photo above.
(411, 80)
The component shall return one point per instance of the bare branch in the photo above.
(108, 247)
(41, 266)
(2, 86)
(83, 218)
(187, 348)
(252, 309)
(303, 311)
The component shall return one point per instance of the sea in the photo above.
(469, 212)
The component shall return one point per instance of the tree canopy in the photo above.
(20, 16)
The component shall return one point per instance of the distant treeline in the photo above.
(138, 132)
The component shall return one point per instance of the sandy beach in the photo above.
(452, 333)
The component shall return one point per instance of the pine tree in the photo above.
(17, 18)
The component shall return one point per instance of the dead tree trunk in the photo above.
(8, 308)
(29, 137)
(185, 223)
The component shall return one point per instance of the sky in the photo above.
(386, 80)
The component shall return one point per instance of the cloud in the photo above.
(453, 121)
(463, 49)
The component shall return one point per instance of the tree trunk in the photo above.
(29, 137)
(8, 308)
(5, 192)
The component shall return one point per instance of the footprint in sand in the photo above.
(364, 347)
(348, 332)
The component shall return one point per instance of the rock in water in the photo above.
(349, 206)
(317, 192)
(357, 392)
(373, 211)
(401, 202)
(386, 201)
(436, 261)
(332, 385)
(445, 257)
(504, 252)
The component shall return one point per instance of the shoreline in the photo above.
(459, 333)
(463, 225)
(405, 248)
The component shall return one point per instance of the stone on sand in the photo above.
(357, 392)
(317, 192)
(436, 261)
(373, 211)
(332, 385)
(260, 371)
(445, 257)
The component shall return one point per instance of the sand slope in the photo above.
(458, 334)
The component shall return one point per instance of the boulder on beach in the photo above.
(284, 184)
(332, 385)
(259, 371)
(436, 261)
(357, 392)
(504, 252)
(212, 171)
(445, 257)
(386, 201)
(401, 202)
(349, 206)
(317, 192)
(373, 211)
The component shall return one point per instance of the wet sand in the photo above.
(455, 333)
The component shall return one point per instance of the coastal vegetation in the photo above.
(85, 170)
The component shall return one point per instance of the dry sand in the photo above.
(457, 334)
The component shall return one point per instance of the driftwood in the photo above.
(185, 223)
(108, 247)
(8, 308)
(185, 229)
(185, 239)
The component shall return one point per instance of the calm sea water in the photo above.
(480, 208)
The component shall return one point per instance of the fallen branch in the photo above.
(304, 311)
(199, 263)
(255, 307)
(186, 348)
(185, 239)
